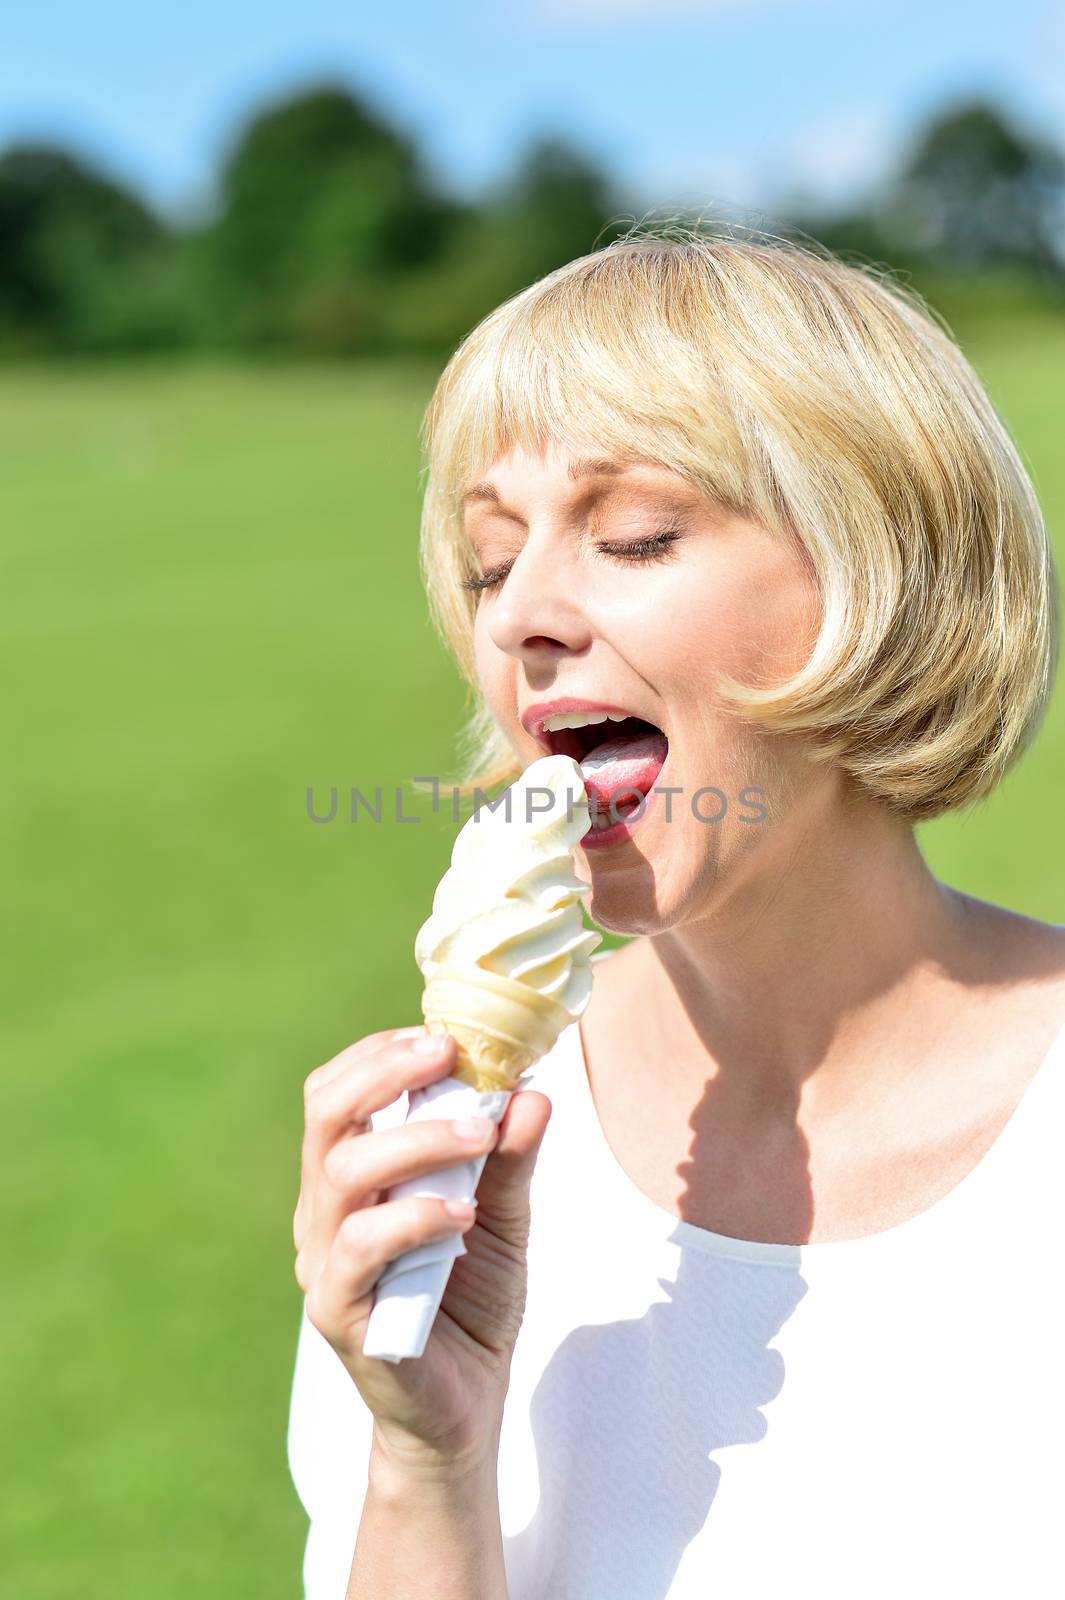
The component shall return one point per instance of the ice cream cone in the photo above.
(505, 958)
(501, 1026)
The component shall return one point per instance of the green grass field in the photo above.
(213, 602)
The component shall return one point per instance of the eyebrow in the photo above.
(582, 467)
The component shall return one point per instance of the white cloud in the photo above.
(579, 10)
(656, 10)
(1048, 32)
(1044, 50)
(722, 180)
(843, 155)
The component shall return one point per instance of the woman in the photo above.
(786, 1251)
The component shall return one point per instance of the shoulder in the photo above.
(1015, 977)
(1013, 950)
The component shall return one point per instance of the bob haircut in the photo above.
(822, 400)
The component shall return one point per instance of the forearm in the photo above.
(427, 1530)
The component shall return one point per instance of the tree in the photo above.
(977, 192)
(72, 243)
(556, 205)
(322, 204)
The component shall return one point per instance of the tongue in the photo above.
(614, 769)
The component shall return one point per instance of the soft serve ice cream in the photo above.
(507, 965)
(510, 900)
(505, 953)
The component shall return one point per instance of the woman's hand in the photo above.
(445, 1407)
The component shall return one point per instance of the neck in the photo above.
(811, 974)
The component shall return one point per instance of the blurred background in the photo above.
(237, 244)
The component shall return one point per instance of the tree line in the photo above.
(329, 236)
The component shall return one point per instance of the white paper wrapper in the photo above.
(408, 1293)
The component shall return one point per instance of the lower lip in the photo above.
(617, 832)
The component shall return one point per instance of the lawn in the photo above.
(214, 604)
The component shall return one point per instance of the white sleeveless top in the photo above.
(698, 1417)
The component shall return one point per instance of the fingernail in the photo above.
(472, 1128)
(434, 1045)
(458, 1208)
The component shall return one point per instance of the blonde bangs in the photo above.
(823, 401)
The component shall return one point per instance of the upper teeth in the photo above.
(581, 719)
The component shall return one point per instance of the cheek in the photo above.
(480, 646)
(495, 669)
(756, 624)
(483, 656)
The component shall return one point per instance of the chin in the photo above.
(626, 902)
(630, 896)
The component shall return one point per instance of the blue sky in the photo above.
(689, 101)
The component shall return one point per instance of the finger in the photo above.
(365, 1046)
(357, 1171)
(368, 1084)
(503, 1192)
(365, 1243)
(358, 1168)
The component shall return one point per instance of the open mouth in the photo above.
(620, 758)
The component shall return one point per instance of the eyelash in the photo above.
(656, 547)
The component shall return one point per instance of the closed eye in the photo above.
(655, 547)
(656, 544)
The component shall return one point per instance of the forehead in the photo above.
(600, 472)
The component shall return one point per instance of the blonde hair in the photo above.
(821, 399)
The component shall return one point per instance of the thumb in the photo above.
(503, 1192)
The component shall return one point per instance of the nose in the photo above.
(537, 612)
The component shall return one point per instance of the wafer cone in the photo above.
(501, 1026)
